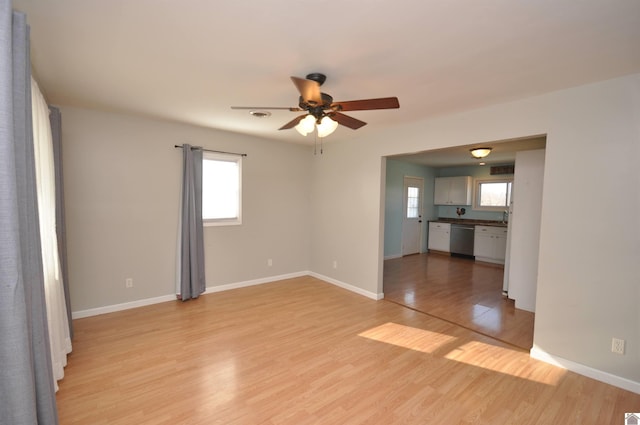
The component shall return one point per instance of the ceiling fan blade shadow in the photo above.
(309, 90)
(293, 122)
(347, 121)
(367, 104)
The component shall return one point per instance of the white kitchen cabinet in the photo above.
(490, 244)
(501, 245)
(453, 190)
(439, 236)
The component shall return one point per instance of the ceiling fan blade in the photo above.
(309, 90)
(293, 122)
(284, 108)
(347, 121)
(367, 104)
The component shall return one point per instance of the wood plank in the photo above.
(460, 290)
(302, 351)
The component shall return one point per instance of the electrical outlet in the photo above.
(617, 346)
(335, 264)
(269, 262)
(128, 282)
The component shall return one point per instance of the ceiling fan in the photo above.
(321, 111)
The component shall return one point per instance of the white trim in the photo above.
(229, 286)
(119, 307)
(476, 190)
(348, 287)
(617, 381)
(212, 289)
(394, 256)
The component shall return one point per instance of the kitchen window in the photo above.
(492, 195)
(221, 189)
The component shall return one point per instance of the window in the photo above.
(413, 197)
(221, 189)
(492, 195)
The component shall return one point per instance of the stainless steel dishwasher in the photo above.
(462, 239)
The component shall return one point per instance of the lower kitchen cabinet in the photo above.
(490, 244)
(439, 236)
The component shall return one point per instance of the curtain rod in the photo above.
(210, 150)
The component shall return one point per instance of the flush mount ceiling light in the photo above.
(325, 125)
(480, 152)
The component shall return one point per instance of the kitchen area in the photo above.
(476, 239)
(477, 264)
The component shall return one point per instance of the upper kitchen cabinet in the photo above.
(453, 190)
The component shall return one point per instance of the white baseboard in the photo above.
(391, 257)
(617, 381)
(348, 287)
(119, 307)
(211, 289)
(227, 287)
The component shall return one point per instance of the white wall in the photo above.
(589, 268)
(122, 188)
(588, 274)
(525, 228)
(346, 223)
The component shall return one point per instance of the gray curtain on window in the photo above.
(26, 380)
(192, 281)
(61, 227)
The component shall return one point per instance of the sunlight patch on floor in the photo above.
(408, 337)
(507, 361)
(220, 378)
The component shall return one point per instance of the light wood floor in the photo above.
(302, 351)
(459, 290)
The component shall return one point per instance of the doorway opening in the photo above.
(463, 291)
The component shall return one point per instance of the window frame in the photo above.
(227, 221)
(476, 193)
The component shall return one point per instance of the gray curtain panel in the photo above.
(192, 281)
(26, 380)
(61, 227)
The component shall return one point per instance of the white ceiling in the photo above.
(502, 152)
(190, 60)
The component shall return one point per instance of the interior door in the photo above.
(412, 216)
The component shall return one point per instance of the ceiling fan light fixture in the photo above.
(306, 125)
(480, 152)
(326, 126)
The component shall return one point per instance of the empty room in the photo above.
(294, 213)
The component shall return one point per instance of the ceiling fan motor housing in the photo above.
(317, 110)
(317, 77)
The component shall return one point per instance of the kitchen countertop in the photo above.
(471, 222)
